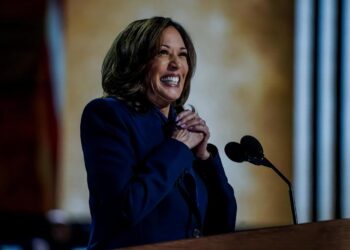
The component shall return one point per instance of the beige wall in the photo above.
(243, 85)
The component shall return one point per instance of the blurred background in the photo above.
(274, 69)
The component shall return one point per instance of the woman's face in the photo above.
(168, 69)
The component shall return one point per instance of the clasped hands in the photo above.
(193, 132)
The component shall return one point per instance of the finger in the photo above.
(198, 137)
(189, 119)
(183, 114)
(197, 121)
(201, 127)
(198, 125)
(192, 139)
(180, 134)
(186, 117)
(203, 130)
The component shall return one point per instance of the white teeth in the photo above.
(170, 79)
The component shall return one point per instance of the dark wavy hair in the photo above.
(125, 65)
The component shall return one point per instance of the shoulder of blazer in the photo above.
(105, 113)
(107, 106)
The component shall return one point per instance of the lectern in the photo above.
(328, 235)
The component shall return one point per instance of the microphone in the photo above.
(249, 149)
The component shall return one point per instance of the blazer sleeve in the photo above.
(222, 206)
(119, 183)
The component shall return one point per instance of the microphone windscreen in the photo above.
(235, 152)
(252, 146)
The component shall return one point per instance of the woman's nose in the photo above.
(174, 63)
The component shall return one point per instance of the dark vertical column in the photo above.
(315, 126)
(338, 108)
(28, 126)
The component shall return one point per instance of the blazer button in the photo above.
(196, 233)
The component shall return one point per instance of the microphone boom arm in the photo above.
(265, 162)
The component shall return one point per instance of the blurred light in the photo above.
(345, 91)
(326, 109)
(302, 102)
(55, 41)
(10, 247)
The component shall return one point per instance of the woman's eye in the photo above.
(183, 54)
(163, 52)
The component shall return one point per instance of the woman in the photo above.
(152, 175)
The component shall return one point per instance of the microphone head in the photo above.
(235, 152)
(252, 146)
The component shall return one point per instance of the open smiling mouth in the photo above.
(170, 80)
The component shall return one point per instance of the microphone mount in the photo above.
(251, 150)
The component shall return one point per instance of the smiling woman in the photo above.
(126, 67)
(168, 70)
(152, 175)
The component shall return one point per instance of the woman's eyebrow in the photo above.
(167, 46)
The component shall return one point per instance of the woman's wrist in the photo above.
(204, 156)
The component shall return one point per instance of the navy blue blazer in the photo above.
(146, 187)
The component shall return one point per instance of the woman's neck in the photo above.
(165, 111)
